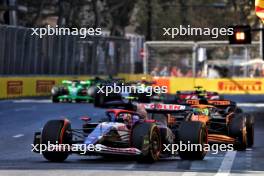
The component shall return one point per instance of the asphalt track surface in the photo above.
(20, 118)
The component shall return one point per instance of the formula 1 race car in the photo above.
(101, 97)
(123, 132)
(75, 90)
(226, 123)
(198, 93)
(141, 91)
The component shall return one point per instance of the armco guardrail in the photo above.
(11, 87)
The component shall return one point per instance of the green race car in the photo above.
(75, 90)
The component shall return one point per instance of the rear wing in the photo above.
(66, 82)
(159, 107)
(87, 82)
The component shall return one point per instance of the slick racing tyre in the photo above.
(56, 131)
(99, 100)
(55, 99)
(238, 110)
(91, 91)
(250, 121)
(146, 138)
(193, 133)
(238, 130)
(55, 92)
(78, 100)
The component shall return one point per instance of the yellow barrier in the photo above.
(40, 86)
(223, 86)
(11, 87)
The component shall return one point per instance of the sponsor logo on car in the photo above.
(216, 102)
(163, 106)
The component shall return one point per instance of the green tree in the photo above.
(196, 13)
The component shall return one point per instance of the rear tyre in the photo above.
(91, 91)
(250, 121)
(55, 99)
(146, 138)
(55, 91)
(56, 132)
(99, 100)
(238, 130)
(193, 133)
(238, 110)
(78, 100)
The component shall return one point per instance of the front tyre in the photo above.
(193, 133)
(146, 138)
(99, 100)
(78, 100)
(56, 132)
(55, 99)
(55, 93)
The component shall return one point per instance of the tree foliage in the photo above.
(149, 16)
(113, 15)
(196, 13)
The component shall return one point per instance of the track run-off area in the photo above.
(20, 118)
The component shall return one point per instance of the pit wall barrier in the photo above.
(11, 87)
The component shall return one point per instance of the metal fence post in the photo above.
(145, 62)
(246, 60)
(2, 51)
(194, 58)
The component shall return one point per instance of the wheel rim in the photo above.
(155, 146)
(244, 135)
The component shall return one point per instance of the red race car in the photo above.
(198, 93)
(123, 132)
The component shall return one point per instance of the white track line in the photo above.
(251, 105)
(18, 135)
(25, 109)
(189, 174)
(227, 164)
(130, 166)
(31, 101)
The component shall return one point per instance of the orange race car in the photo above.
(225, 122)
